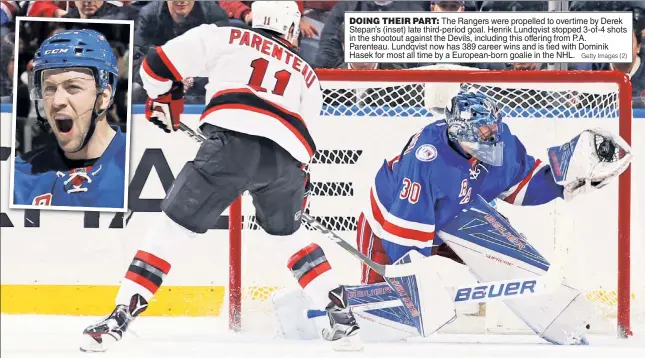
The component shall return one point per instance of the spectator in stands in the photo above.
(45, 8)
(330, 53)
(117, 114)
(6, 68)
(318, 10)
(100, 9)
(161, 21)
(240, 11)
(526, 66)
(495, 5)
(585, 5)
(441, 6)
(8, 12)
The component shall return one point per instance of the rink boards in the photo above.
(72, 262)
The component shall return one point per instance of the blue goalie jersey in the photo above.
(47, 177)
(432, 180)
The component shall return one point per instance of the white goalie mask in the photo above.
(282, 17)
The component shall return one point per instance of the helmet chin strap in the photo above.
(90, 131)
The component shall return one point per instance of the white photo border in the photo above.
(128, 135)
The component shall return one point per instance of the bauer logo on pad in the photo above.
(484, 291)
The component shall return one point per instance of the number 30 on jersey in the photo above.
(411, 191)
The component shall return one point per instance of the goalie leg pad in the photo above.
(297, 320)
(387, 311)
(290, 308)
(493, 250)
(560, 318)
(427, 303)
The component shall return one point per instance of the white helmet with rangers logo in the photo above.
(282, 17)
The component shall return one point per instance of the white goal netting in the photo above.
(365, 121)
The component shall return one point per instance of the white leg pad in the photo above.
(291, 307)
(436, 305)
(561, 318)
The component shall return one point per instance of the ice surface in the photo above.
(54, 336)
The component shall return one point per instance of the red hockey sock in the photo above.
(152, 261)
(314, 273)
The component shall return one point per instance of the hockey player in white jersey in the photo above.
(260, 95)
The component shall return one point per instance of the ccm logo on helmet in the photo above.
(56, 50)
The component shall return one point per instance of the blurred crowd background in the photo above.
(321, 42)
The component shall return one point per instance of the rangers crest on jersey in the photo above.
(426, 153)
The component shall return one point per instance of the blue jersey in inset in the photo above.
(46, 177)
(425, 187)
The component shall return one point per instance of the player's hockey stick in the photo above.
(383, 270)
(198, 137)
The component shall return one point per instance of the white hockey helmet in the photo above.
(282, 17)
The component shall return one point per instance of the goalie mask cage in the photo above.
(369, 115)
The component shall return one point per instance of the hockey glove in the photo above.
(590, 161)
(165, 110)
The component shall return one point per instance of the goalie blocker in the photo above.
(421, 304)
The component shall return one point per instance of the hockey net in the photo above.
(369, 115)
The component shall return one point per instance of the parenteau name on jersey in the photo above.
(270, 48)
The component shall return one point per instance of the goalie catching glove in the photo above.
(589, 161)
(165, 110)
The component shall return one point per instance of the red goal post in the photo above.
(518, 79)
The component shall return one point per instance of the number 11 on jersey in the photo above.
(260, 66)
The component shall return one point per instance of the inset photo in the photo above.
(71, 145)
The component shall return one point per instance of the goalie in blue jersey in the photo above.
(433, 198)
(427, 198)
(74, 76)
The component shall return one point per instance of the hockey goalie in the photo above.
(430, 204)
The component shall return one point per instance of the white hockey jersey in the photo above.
(258, 84)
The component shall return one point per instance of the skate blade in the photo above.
(348, 344)
(90, 345)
